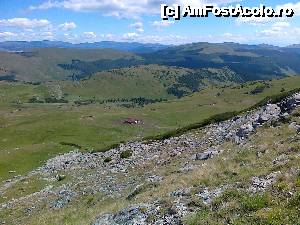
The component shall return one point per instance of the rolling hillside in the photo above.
(66, 108)
(251, 62)
(248, 62)
(38, 129)
(127, 86)
(43, 64)
(45, 180)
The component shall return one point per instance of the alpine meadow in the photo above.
(110, 115)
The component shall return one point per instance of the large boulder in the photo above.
(271, 112)
(205, 155)
(290, 104)
(260, 184)
(294, 126)
(297, 98)
(142, 214)
(245, 130)
(129, 216)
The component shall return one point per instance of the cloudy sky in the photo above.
(139, 20)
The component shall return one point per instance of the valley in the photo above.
(149, 134)
(33, 132)
(248, 164)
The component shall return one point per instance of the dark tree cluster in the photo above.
(128, 103)
(47, 100)
(86, 69)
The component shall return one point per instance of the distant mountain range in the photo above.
(251, 62)
(294, 46)
(48, 60)
(122, 46)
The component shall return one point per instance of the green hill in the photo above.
(46, 64)
(251, 62)
(248, 62)
(138, 84)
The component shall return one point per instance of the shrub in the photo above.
(126, 154)
(254, 202)
(35, 100)
(84, 102)
(70, 144)
(258, 90)
(55, 100)
(60, 177)
(295, 201)
(107, 159)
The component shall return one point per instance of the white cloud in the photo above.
(254, 20)
(279, 33)
(280, 25)
(138, 26)
(32, 29)
(283, 37)
(24, 23)
(7, 35)
(130, 36)
(277, 29)
(107, 37)
(122, 8)
(67, 26)
(164, 39)
(264, 20)
(288, 35)
(162, 23)
(294, 6)
(89, 35)
(182, 39)
(27, 36)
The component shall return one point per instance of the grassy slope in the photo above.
(41, 64)
(250, 62)
(145, 81)
(279, 204)
(151, 82)
(235, 167)
(31, 133)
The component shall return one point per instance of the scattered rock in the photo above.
(141, 215)
(181, 192)
(137, 190)
(208, 196)
(65, 196)
(131, 216)
(113, 179)
(205, 155)
(187, 168)
(294, 126)
(281, 160)
(271, 112)
(155, 179)
(260, 184)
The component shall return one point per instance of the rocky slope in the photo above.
(160, 182)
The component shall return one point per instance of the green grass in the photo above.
(279, 204)
(43, 65)
(235, 167)
(33, 133)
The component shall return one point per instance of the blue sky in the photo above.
(139, 20)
